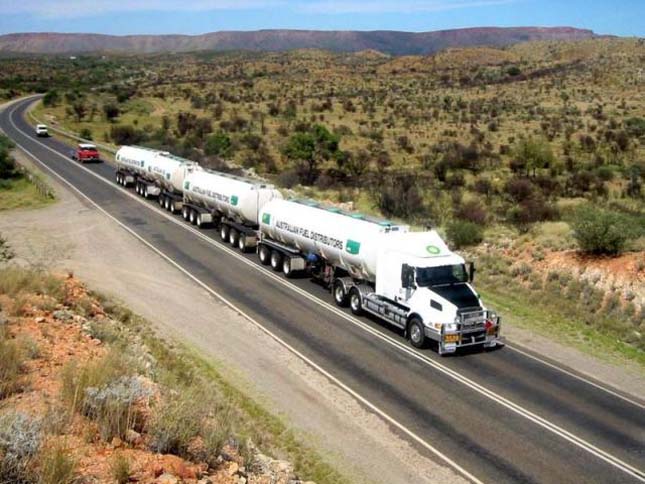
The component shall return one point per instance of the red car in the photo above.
(85, 152)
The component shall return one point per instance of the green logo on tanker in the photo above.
(433, 249)
(266, 218)
(186, 185)
(234, 200)
(352, 247)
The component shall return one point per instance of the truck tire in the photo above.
(415, 333)
(276, 260)
(241, 243)
(223, 232)
(264, 254)
(185, 212)
(118, 178)
(355, 301)
(340, 294)
(286, 267)
(198, 220)
(172, 207)
(233, 236)
(193, 216)
(162, 200)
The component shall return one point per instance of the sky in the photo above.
(618, 17)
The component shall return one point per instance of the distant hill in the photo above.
(390, 42)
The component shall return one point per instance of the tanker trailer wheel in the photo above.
(355, 301)
(264, 254)
(223, 232)
(145, 191)
(276, 260)
(166, 203)
(241, 243)
(199, 220)
(185, 212)
(193, 217)
(161, 200)
(286, 267)
(137, 188)
(118, 178)
(416, 333)
(172, 207)
(340, 294)
(233, 237)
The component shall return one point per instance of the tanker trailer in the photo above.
(230, 201)
(409, 279)
(131, 165)
(168, 173)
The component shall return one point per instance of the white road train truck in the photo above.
(154, 174)
(409, 279)
(231, 202)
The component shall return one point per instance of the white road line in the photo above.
(573, 375)
(224, 300)
(518, 409)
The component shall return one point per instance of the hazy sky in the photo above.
(619, 17)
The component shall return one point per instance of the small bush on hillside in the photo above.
(11, 361)
(113, 406)
(600, 231)
(16, 280)
(463, 233)
(20, 440)
(472, 211)
(120, 469)
(126, 135)
(57, 466)
(7, 163)
(175, 424)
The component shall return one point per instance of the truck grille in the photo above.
(472, 319)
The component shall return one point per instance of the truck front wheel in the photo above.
(416, 333)
(355, 302)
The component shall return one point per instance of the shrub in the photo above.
(176, 423)
(113, 406)
(599, 231)
(11, 361)
(57, 466)
(126, 135)
(20, 440)
(463, 233)
(399, 196)
(52, 98)
(86, 133)
(472, 211)
(7, 163)
(120, 469)
(218, 144)
(15, 280)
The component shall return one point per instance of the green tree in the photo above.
(218, 144)
(600, 231)
(52, 98)
(111, 111)
(463, 233)
(532, 154)
(7, 164)
(312, 148)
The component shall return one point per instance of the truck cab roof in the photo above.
(422, 249)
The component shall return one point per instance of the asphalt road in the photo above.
(497, 416)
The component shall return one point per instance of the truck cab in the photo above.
(41, 131)
(426, 290)
(86, 152)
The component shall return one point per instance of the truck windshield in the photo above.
(441, 275)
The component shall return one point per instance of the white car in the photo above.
(41, 130)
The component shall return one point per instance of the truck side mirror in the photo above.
(471, 271)
(407, 276)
